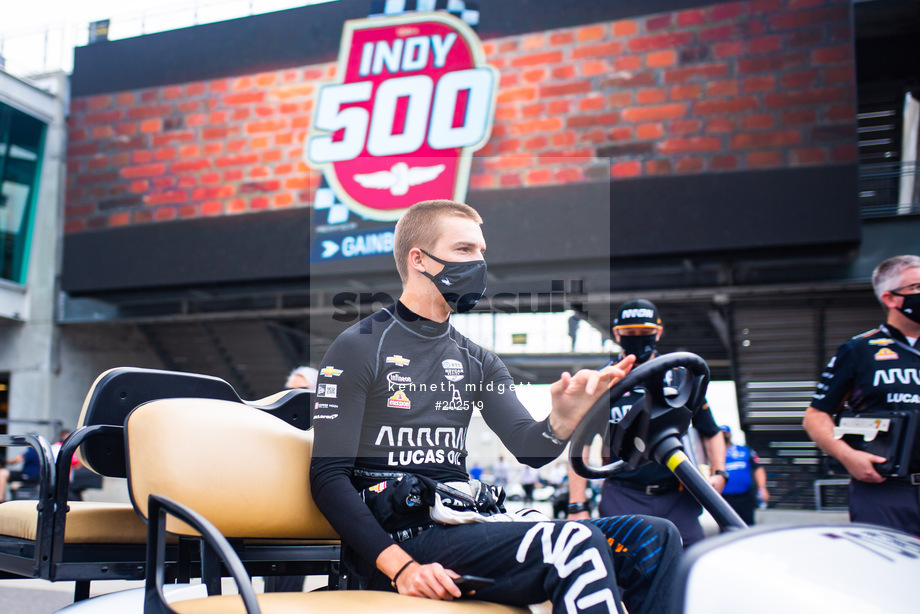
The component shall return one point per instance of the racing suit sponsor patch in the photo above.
(331, 371)
(395, 380)
(453, 370)
(400, 400)
(327, 391)
(886, 354)
(397, 360)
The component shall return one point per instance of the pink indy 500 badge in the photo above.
(414, 99)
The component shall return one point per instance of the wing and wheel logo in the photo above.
(413, 100)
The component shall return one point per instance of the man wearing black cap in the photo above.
(651, 489)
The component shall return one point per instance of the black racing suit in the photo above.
(395, 394)
(877, 371)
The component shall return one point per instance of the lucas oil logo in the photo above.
(414, 99)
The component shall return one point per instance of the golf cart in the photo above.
(216, 491)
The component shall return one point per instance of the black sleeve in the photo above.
(510, 420)
(836, 381)
(704, 421)
(336, 434)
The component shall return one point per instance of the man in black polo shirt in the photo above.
(878, 370)
(651, 489)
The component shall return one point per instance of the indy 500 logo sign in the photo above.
(413, 102)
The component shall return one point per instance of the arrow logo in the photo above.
(329, 248)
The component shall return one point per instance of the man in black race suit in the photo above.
(878, 370)
(651, 489)
(393, 405)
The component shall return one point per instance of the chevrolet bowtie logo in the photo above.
(331, 372)
(397, 360)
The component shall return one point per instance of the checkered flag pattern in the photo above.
(325, 198)
(466, 10)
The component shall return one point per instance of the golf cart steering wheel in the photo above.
(661, 413)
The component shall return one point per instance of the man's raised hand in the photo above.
(574, 395)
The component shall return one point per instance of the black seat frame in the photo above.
(102, 444)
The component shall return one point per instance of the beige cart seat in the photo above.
(248, 473)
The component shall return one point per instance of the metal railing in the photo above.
(49, 48)
(890, 188)
(49, 429)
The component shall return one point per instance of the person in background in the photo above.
(31, 466)
(476, 471)
(651, 489)
(501, 471)
(81, 478)
(867, 375)
(302, 377)
(528, 477)
(28, 476)
(747, 479)
(4, 478)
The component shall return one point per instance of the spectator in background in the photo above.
(476, 471)
(852, 381)
(4, 478)
(574, 322)
(501, 471)
(81, 478)
(31, 466)
(28, 475)
(747, 479)
(651, 489)
(302, 377)
(528, 478)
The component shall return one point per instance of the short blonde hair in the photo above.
(420, 226)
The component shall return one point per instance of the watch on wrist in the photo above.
(577, 507)
(721, 472)
(548, 433)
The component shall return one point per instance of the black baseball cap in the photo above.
(638, 313)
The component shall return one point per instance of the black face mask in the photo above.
(910, 307)
(640, 346)
(461, 284)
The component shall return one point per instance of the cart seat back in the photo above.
(246, 471)
(118, 391)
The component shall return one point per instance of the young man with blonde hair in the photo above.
(389, 467)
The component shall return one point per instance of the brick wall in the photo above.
(737, 86)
